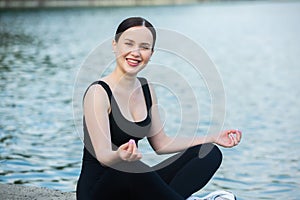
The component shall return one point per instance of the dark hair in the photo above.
(132, 22)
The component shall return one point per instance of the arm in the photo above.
(96, 110)
(163, 144)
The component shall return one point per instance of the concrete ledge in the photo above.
(19, 192)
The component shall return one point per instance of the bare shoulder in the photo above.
(96, 96)
(96, 89)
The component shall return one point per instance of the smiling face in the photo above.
(133, 49)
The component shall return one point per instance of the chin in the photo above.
(134, 70)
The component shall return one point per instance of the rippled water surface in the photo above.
(255, 46)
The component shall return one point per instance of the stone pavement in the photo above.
(20, 192)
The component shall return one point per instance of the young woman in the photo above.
(119, 110)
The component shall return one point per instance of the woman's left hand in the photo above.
(228, 138)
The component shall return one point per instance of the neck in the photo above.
(123, 80)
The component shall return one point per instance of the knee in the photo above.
(218, 154)
(207, 151)
(211, 152)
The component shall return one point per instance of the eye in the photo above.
(128, 43)
(145, 47)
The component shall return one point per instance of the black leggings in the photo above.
(187, 173)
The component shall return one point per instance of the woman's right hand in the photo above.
(129, 152)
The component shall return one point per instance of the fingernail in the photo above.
(131, 141)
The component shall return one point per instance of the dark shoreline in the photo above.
(11, 5)
(21, 192)
(25, 4)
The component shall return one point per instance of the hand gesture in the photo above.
(129, 152)
(228, 138)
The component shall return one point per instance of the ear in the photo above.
(114, 46)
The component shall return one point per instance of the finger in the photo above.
(135, 157)
(127, 150)
(131, 146)
(123, 154)
(231, 131)
(235, 139)
(238, 135)
(135, 149)
(135, 152)
(232, 139)
(124, 146)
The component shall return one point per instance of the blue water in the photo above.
(255, 46)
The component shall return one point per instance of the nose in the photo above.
(135, 52)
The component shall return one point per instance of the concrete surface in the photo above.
(20, 192)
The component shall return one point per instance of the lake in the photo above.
(255, 47)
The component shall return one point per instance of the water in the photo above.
(255, 46)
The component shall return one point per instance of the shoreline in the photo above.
(21, 192)
(35, 4)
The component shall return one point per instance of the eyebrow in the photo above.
(143, 43)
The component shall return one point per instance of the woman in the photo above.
(118, 112)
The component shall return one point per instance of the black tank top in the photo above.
(121, 129)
